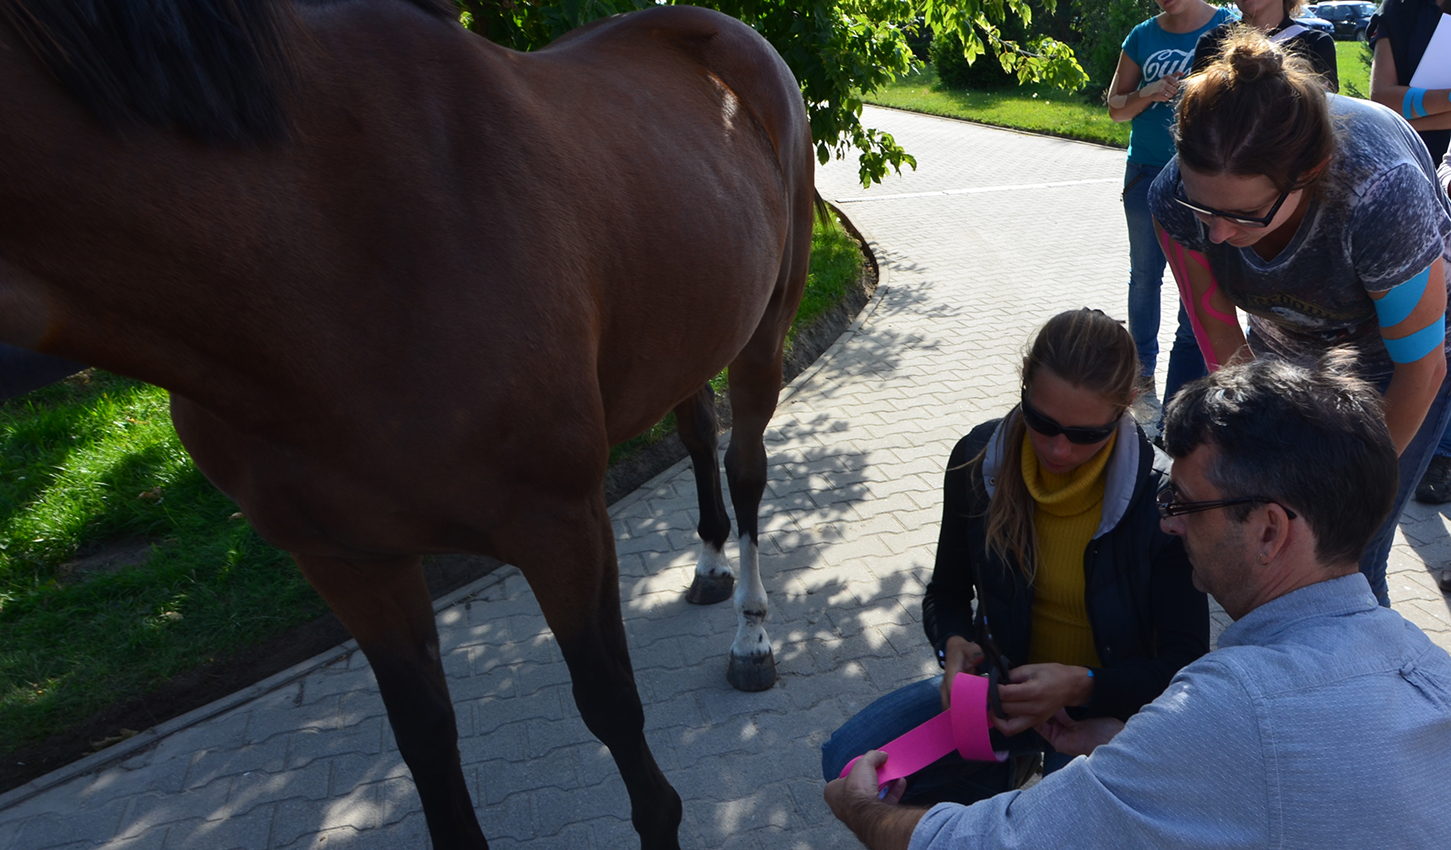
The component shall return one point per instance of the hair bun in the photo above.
(1249, 56)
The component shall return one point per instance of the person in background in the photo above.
(1317, 703)
(1399, 34)
(1275, 19)
(1322, 217)
(1156, 55)
(1050, 527)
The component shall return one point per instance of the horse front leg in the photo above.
(695, 422)
(387, 608)
(575, 577)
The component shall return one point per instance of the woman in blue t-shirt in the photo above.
(1156, 55)
(1322, 218)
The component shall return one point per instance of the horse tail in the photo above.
(823, 209)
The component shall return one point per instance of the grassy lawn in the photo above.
(1041, 109)
(1354, 73)
(94, 461)
(90, 462)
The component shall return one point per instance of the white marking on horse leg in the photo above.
(751, 605)
(714, 562)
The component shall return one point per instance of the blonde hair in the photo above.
(1257, 109)
(1088, 350)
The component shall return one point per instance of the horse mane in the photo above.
(215, 69)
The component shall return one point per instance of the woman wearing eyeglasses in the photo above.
(1321, 217)
(1050, 524)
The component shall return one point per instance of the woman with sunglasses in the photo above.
(1321, 217)
(1050, 526)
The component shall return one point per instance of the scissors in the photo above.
(998, 666)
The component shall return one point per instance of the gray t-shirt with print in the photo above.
(1380, 220)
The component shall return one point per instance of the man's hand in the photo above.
(1078, 737)
(961, 656)
(1039, 691)
(860, 786)
(880, 823)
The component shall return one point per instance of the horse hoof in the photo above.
(752, 673)
(708, 590)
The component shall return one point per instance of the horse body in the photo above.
(418, 322)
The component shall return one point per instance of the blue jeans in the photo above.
(1444, 447)
(1146, 279)
(1412, 466)
(22, 370)
(952, 778)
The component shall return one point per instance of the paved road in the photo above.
(993, 233)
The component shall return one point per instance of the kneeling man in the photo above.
(1321, 721)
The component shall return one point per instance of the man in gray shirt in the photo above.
(1321, 721)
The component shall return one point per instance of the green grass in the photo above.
(95, 460)
(1041, 109)
(1354, 72)
(836, 264)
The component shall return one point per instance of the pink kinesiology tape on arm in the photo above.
(1176, 254)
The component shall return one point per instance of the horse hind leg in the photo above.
(696, 424)
(755, 385)
(754, 388)
(386, 607)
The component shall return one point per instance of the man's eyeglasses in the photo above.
(1233, 218)
(1049, 428)
(1170, 506)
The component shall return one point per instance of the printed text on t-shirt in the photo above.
(1162, 63)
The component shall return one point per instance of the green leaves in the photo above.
(839, 51)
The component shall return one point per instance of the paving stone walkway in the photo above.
(992, 234)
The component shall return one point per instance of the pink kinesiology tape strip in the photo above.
(964, 727)
(1174, 253)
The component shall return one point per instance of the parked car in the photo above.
(1309, 21)
(1348, 18)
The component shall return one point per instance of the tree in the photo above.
(1102, 26)
(839, 51)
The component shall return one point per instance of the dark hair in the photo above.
(1257, 109)
(1314, 440)
(212, 68)
(1088, 350)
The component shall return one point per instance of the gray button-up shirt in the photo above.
(1321, 721)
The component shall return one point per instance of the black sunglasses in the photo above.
(1233, 218)
(1170, 506)
(1048, 428)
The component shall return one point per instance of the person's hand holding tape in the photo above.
(960, 655)
(1034, 693)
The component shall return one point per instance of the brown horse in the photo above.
(407, 288)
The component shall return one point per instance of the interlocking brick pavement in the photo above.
(992, 234)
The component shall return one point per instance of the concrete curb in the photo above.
(148, 738)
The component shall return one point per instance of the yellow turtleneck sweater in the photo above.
(1069, 509)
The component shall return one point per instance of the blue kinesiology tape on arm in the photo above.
(1400, 300)
(1409, 349)
(1413, 105)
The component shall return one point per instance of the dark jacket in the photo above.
(1148, 620)
(1317, 48)
(1408, 25)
